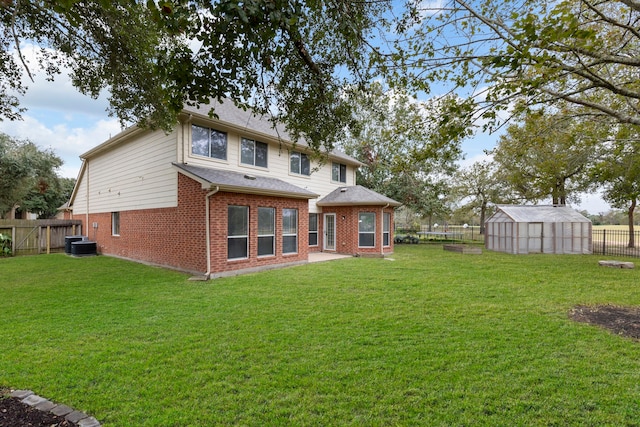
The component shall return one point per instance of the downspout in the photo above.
(208, 229)
(382, 228)
(87, 204)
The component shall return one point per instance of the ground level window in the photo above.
(386, 229)
(115, 223)
(266, 231)
(238, 232)
(313, 229)
(289, 231)
(367, 229)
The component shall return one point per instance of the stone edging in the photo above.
(77, 418)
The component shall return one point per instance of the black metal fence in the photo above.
(615, 243)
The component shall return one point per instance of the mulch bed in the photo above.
(14, 413)
(623, 321)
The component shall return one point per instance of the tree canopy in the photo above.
(406, 152)
(529, 52)
(25, 169)
(547, 155)
(295, 58)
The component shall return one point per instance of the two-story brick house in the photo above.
(225, 195)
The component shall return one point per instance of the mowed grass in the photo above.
(430, 338)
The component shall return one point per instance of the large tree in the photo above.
(583, 52)
(24, 168)
(618, 170)
(480, 185)
(406, 152)
(295, 58)
(547, 155)
(49, 195)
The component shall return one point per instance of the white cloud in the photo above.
(67, 141)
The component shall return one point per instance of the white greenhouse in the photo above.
(538, 229)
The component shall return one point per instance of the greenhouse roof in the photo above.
(520, 213)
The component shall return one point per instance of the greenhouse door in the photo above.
(535, 237)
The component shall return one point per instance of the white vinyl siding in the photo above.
(134, 175)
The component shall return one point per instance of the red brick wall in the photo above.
(176, 237)
(172, 237)
(219, 205)
(347, 218)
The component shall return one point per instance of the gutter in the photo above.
(208, 230)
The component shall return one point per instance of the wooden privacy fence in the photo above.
(615, 242)
(30, 237)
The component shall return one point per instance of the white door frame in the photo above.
(329, 240)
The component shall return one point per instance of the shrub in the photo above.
(5, 245)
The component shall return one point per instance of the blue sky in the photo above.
(60, 118)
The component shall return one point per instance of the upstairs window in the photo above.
(208, 142)
(299, 163)
(253, 153)
(338, 172)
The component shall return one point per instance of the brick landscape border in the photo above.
(77, 418)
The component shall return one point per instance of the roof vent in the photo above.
(343, 190)
(251, 177)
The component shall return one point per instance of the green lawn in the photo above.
(430, 338)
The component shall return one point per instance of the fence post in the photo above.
(13, 240)
(604, 240)
(48, 239)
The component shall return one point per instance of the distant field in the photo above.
(613, 227)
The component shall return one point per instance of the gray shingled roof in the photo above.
(529, 213)
(243, 183)
(251, 122)
(356, 195)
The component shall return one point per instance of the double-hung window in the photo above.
(299, 163)
(208, 142)
(289, 231)
(338, 172)
(367, 229)
(253, 153)
(386, 229)
(266, 231)
(313, 229)
(238, 232)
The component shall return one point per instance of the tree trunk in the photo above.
(559, 193)
(632, 237)
(483, 212)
